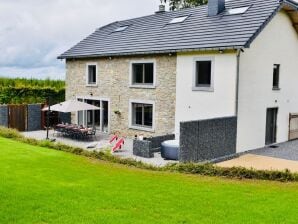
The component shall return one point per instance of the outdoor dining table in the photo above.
(73, 131)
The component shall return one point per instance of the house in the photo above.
(228, 58)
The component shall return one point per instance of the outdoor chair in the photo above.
(78, 134)
(91, 133)
(57, 131)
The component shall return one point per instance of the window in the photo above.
(91, 74)
(142, 115)
(276, 68)
(203, 78)
(121, 28)
(236, 11)
(178, 19)
(142, 74)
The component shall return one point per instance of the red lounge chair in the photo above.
(118, 145)
(114, 137)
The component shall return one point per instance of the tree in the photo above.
(181, 4)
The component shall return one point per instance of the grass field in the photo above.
(39, 185)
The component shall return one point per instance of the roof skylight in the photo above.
(180, 19)
(236, 11)
(121, 28)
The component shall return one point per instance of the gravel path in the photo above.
(261, 163)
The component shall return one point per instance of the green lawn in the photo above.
(39, 185)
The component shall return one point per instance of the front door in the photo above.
(271, 125)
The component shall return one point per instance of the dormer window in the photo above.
(180, 19)
(121, 28)
(237, 11)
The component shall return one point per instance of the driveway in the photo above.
(282, 156)
(287, 150)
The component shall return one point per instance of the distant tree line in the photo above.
(27, 91)
(180, 4)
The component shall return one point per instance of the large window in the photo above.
(142, 115)
(95, 118)
(203, 75)
(142, 74)
(276, 69)
(91, 74)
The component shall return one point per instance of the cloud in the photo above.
(34, 32)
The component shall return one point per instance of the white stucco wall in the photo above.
(196, 105)
(276, 44)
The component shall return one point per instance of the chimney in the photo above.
(162, 8)
(215, 7)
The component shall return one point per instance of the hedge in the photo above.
(27, 95)
(18, 91)
(186, 168)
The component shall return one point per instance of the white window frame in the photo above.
(131, 126)
(87, 74)
(145, 86)
(194, 78)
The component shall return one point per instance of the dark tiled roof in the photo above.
(153, 34)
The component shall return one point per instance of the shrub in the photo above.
(10, 133)
(234, 172)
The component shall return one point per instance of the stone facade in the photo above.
(113, 84)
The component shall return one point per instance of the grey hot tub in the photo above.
(170, 150)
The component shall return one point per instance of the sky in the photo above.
(34, 32)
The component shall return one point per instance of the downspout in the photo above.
(237, 81)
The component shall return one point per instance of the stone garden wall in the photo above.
(207, 139)
(4, 115)
(147, 148)
(34, 117)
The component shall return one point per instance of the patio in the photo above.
(99, 142)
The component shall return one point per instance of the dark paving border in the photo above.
(287, 150)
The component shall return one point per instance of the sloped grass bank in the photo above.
(38, 185)
(188, 168)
